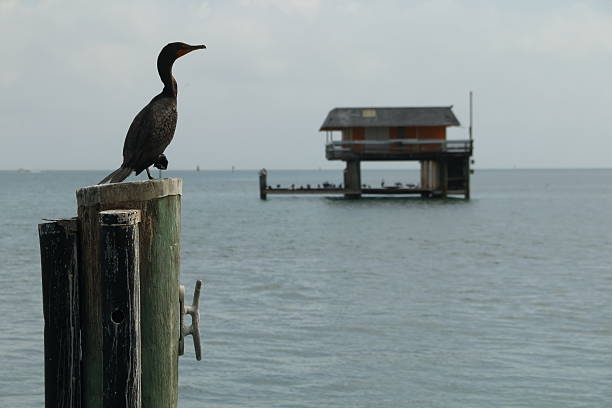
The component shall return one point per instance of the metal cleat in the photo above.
(194, 328)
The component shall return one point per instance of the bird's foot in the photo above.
(149, 174)
(161, 162)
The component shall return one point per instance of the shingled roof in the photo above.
(339, 118)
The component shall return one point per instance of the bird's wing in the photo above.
(150, 133)
(133, 138)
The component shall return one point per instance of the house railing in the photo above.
(397, 146)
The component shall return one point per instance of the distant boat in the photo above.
(20, 170)
(197, 168)
(233, 168)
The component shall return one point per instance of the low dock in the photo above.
(333, 190)
(347, 192)
(312, 191)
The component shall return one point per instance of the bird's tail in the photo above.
(116, 176)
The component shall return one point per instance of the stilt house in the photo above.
(397, 134)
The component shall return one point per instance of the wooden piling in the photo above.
(159, 202)
(467, 173)
(263, 183)
(352, 179)
(443, 174)
(119, 250)
(59, 265)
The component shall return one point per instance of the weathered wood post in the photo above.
(467, 172)
(159, 202)
(443, 177)
(352, 179)
(263, 183)
(60, 285)
(119, 250)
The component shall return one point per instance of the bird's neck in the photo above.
(164, 68)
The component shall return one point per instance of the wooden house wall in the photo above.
(417, 132)
(376, 133)
(356, 133)
(431, 132)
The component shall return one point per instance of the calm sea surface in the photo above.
(501, 301)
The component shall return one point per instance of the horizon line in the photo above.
(307, 169)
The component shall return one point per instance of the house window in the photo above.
(368, 113)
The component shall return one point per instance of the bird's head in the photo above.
(175, 50)
(166, 59)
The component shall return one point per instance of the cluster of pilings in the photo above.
(112, 306)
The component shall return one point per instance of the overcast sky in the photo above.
(73, 75)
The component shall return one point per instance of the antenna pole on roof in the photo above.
(471, 109)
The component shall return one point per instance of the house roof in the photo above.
(339, 118)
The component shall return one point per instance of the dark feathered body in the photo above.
(153, 128)
(150, 133)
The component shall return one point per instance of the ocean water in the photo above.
(504, 300)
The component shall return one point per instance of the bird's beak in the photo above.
(188, 49)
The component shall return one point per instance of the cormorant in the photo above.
(153, 128)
